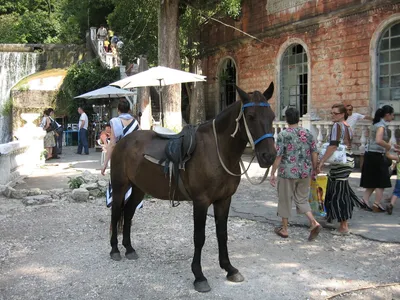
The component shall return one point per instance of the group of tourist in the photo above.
(111, 41)
(297, 164)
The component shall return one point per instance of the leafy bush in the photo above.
(82, 78)
(75, 182)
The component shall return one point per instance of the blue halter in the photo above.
(263, 104)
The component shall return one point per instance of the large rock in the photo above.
(19, 194)
(96, 193)
(89, 186)
(80, 195)
(36, 200)
(8, 191)
(2, 189)
(102, 184)
(89, 177)
(34, 192)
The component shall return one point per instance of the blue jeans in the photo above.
(83, 141)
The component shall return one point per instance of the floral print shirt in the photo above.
(295, 145)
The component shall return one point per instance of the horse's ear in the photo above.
(243, 95)
(269, 91)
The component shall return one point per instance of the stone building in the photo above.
(317, 52)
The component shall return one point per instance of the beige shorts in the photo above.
(296, 190)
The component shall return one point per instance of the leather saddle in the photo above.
(172, 151)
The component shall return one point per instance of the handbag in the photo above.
(53, 126)
(338, 157)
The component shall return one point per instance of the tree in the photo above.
(136, 25)
(193, 11)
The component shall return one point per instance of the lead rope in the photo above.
(251, 141)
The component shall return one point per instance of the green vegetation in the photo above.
(75, 183)
(6, 109)
(82, 78)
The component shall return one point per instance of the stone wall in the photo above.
(339, 37)
(30, 102)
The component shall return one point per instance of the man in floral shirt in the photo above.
(296, 162)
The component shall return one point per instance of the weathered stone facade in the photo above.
(339, 37)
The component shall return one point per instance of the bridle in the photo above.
(250, 138)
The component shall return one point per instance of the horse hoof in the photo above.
(202, 286)
(116, 256)
(236, 277)
(131, 255)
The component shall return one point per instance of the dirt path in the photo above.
(60, 251)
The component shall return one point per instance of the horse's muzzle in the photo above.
(265, 160)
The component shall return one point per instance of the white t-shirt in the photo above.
(85, 119)
(353, 119)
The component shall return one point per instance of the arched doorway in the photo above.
(227, 82)
(388, 68)
(294, 80)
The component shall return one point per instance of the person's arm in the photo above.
(110, 147)
(392, 156)
(314, 160)
(82, 123)
(275, 166)
(47, 123)
(334, 143)
(379, 139)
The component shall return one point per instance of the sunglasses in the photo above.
(335, 113)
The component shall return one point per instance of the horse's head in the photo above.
(258, 118)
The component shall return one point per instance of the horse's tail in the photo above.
(117, 212)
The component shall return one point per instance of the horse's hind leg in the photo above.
(200, 216)
(129, 211)
(116, 213)
(221, 211)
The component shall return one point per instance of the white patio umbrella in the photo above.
(158, 76)
(106, 92)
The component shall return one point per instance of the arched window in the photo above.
(227, 82)
(389, 68)
(294, 80)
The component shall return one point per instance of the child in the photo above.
(396, 191)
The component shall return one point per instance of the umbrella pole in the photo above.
(161, 105)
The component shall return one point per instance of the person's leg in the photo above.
(367, 194)
(300, 197)
(344, 226)
(377, 207)
(80, 144)
(285, 193)
(396, 194)
(85, 141)
(60, 141)
(49, 152)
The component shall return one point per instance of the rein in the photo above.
(251, 141)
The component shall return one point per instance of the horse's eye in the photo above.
(251, 117)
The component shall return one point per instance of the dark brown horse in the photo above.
(205, 179)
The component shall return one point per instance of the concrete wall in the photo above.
(339, 37)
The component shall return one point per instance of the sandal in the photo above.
(365, 205)
(314, 232)
(278, 231)
(389, 208)
(341, 233)
(377, 208)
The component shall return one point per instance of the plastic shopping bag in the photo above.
(317, 195)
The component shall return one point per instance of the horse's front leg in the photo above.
(129, 212)
(221, 211)
(199, 216)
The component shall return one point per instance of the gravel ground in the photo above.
(61, 251)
